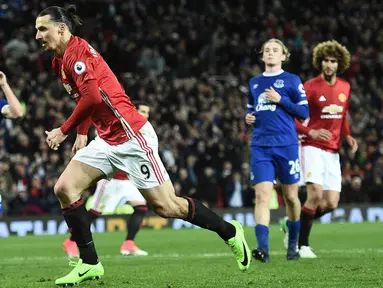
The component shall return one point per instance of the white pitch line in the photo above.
(182, 256)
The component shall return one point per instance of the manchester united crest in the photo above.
(342, 97)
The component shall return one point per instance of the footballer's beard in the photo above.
(329, 76)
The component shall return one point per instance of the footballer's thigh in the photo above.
(147, 172)
(263, 173)
(330, 200)
(89, 165)
(76, 178)
(287, 164)
(262, 177)
(165, 203)
(288, 171)
(140, 160)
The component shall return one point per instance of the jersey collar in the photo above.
(269, 74)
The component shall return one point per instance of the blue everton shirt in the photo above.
(2, 104)
(274, 124)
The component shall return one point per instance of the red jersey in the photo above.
(328, 105)
(115, 117)
(120, 175)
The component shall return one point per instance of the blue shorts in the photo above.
(268, 163)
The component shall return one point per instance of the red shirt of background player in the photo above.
(328, 106)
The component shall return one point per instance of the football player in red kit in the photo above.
(126, 141)
(114, 193)
(328, 97)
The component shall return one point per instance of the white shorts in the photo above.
(322, 167)
(111, 194)
(138, 158)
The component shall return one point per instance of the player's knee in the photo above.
(315, 194)
(291, 199)
(332, 205)
(262, 198)
(314, 199)
(65, 192)
(61, 189)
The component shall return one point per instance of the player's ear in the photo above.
(283, 58)
(62, 28)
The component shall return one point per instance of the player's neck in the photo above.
(273, 68)
(329, 80)
(60, 50)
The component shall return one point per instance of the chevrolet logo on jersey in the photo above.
(333, 110)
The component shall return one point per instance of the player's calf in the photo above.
(134, 225)
(315, 196)
(232, 233)
(293, 204)
(78, 223)
(314, 199)
(135, 221)
(262, 217)
(166, 204)
(307, 217)
(290, 193)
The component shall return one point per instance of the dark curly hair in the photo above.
(331, 49)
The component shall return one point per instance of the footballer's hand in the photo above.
(272, 95)
(54, 138)
(81, 141)
(250, 118)
(3, 79)
(320, 134)
(352, 143)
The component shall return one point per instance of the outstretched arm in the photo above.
(14, 108)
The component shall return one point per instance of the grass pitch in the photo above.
(350, 255)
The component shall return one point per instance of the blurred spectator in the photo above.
(353, 191)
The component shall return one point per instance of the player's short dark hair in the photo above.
(138, 104)
(67, 16)
(331, 49)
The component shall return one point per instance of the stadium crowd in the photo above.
(190, 60)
